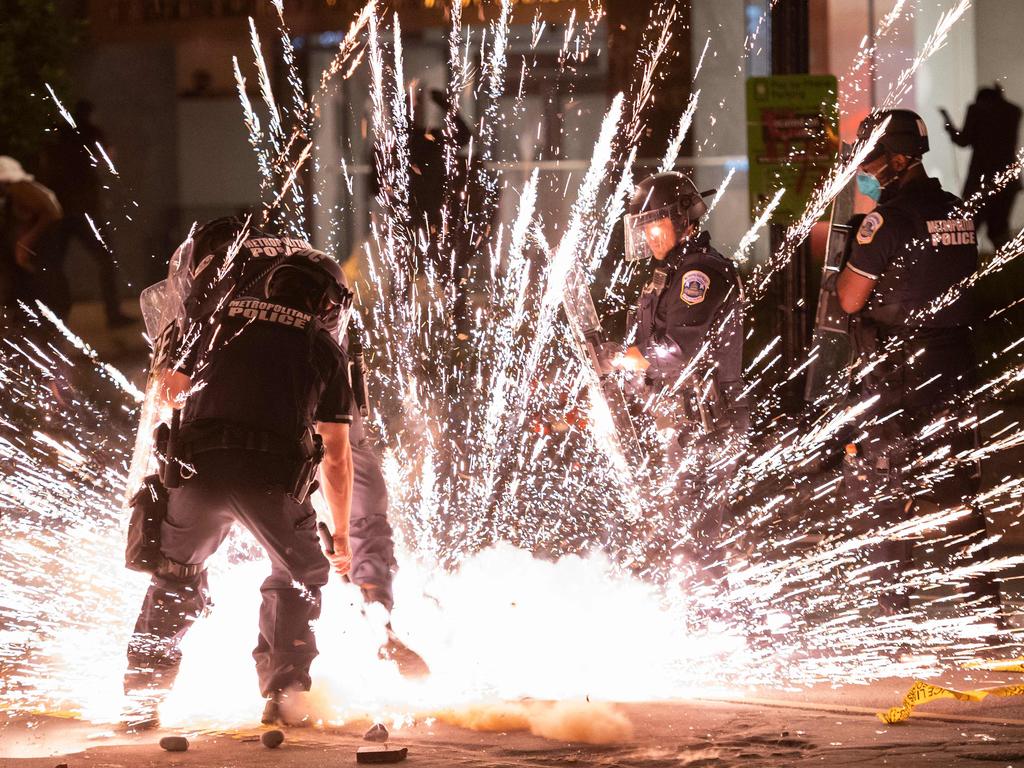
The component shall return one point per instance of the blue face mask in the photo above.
(869, 186)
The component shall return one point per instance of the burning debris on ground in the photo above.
(552, 538)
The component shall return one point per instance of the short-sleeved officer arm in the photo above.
(335, 406)
(336, 476)
(875, 245)
(853, 290)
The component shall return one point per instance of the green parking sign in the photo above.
(792, 139)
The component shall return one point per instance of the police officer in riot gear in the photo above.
(688, 341)
(909, 251)
(228, 252)
(264, 393)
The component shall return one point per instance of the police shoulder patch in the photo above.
(869, 227)
(695, 287)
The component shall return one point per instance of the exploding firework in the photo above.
(534, 549)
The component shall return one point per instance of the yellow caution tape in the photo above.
(1005, 665)
(921, 693)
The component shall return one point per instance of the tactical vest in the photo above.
(724, 323)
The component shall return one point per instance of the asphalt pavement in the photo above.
(818, 727)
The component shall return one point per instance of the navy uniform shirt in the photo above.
(260, 367)
(701, 302)
(916, 244)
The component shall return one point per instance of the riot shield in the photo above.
(831, 340)
(587, 330)
(163, 311)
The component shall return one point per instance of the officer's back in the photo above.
(268, 369)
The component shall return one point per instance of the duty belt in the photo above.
(691, 402)
(214, 438)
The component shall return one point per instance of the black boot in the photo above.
(288, 708)
(141, 711)
(410, 664)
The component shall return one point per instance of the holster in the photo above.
(704, 407)
(863, 336)
(149, 508)
(311, 447)
(357, 374)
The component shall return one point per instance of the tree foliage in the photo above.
(38, 42)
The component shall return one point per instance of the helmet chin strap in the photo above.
(898, 175)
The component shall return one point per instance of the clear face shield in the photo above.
(338, 314)
(162, 301)
(652, 232)
(344, 318)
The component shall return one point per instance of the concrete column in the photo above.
(948, 79)
(626, 21)
(126, 81)
(719, 131)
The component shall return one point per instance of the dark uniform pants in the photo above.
(921, 388)
(232, 486)
(701, 490)
(370, 534)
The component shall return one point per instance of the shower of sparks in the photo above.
(498, 441)
(935, 42)
(669, 161)
(867, 53)
(754, 233)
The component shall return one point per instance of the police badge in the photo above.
(695, 287)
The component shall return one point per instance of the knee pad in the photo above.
(179, 572)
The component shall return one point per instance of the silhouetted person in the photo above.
(990, 129)
(28, 213)
(427, 174)
(69, 167)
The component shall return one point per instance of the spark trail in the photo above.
(491, 450)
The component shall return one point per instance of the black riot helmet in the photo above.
(216, 232)
(906, 133)
(316, 281)
(668, 195)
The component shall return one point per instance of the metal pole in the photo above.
(873, 63)
(790, 44)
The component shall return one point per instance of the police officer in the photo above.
(688, 343)
(264, 393)
(226, 253)
(370, 533)
(911, 249)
